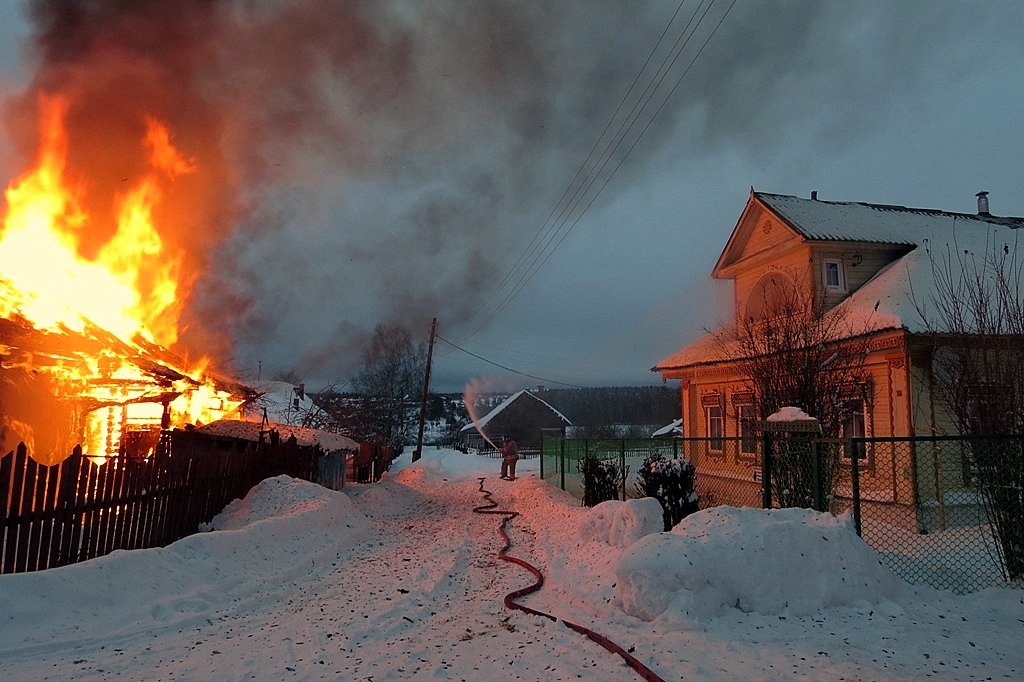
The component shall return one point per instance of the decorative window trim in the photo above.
(709, 399)
(840, 286)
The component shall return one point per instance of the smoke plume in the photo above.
(378, 162)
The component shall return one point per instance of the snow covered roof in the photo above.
(856, 221)
(284, 402)
(482, 422)
(675, 428)
(329, 442)
(892, 297)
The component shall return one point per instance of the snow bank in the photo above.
(620, 524)
(284, 500)
(792, 561)
(277, 534)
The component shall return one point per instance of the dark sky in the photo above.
(391, 162)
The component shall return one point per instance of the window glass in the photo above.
(853, 426)
(834, 275)
(748, 438)
(715, 427)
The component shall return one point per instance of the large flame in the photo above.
(125, 299)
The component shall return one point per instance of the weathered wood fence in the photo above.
(78, 510)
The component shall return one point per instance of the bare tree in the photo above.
(975, 318)
(389, 382)
(792, 350)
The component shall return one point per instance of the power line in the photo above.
(551, 234)
(508, 369)
(532, 246)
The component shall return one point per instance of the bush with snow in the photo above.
(671, 482)
(620, 524)
(601, 479)
(775, 561)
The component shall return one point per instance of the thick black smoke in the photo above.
(367, 162)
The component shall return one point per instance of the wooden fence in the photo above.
(78, 510)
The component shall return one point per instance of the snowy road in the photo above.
(400, 580)
(420, 597)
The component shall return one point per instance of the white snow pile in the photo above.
(781, 561)
(286, 502)
(273, 536)
(789, 414)
(620, 524)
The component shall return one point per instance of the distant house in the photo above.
(523, 416)
(280, 402)
(674, 428)
(872, 264)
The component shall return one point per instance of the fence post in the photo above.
(819, 494)
(675, 448)
(855, 487)
(622, 466)
(561, 463)
(542, 456)
(766, 471)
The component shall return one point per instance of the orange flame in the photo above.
(130, 289)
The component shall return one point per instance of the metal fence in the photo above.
(942, 511)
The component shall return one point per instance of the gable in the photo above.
(519, 406)
(759, 236)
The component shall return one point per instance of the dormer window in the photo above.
(835, 278)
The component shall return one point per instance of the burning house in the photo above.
(89, 311)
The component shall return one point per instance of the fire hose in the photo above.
(510, 598)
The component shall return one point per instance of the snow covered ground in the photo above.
(399, 580)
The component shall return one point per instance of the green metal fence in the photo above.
(942, 511)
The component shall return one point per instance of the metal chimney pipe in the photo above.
(982, 203)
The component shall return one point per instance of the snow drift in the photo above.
(620, 524)
(792, 561)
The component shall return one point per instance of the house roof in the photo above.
(482, 422)
(673, 429)
(819, 220)
(245, 430)
(278, 398)
(894, 296)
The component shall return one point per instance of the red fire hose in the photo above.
(510, 603)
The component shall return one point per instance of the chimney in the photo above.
(814, 195)
(982, 203)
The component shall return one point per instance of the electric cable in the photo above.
(557, 232)
(538, 263)
(508, 369)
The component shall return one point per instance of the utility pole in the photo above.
(426, 389)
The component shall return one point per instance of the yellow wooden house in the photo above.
(874, 265)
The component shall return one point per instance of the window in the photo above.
(835, 279)
(773, 295)
(854, 427)
(715, 426)
(745, 428)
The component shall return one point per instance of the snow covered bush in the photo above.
(601, 480)
(671, 482)
(620, 524)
